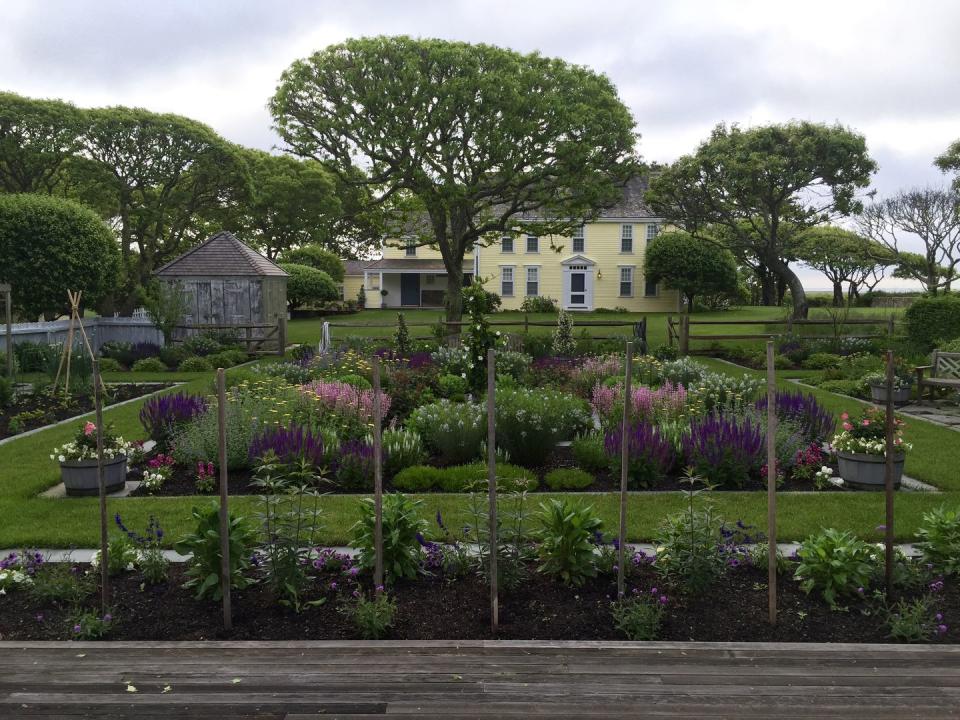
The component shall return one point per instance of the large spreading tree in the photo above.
(763, 185)
(473, 140)
(931, 215)
(844, 256)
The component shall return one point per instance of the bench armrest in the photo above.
(924, 367)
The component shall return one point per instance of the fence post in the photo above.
(377, 478)
(670, 330)
(225, 579)
(624, 462)
(101, 490)
(888, 477)
(684, 334)
(492, 485)
(526, 323)
(771, 485)
(7, 295)
(890, 322)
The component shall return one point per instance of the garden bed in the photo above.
(436, 608)
(37, 410)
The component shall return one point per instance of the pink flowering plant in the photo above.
(345, 399)
(867, 433)
(665, 404)
(84, 446)
(158, 471)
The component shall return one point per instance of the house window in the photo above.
(506, 281)
(533, 244)
(533, 281)
(577, 239)
(652, 231)
(506, 244)
(626, 282)
(411, 249)
(626, 238)
(650, 289)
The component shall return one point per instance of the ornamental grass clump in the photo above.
(726, 451)
(453, 431)
(531, 422)
(162, 415)
(802, 410)
(650, 455)
(288, 444)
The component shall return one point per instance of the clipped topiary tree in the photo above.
(316, 257)
(49, 245)
(563, 342)
(401, 340)
(690, 265)
(308, 285)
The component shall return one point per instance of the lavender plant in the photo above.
(815, 422)
(724, 450)
(288, 444)
(650, 456)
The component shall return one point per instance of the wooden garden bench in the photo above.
(944, 373)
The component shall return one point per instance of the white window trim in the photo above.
(582, 237)
(526, 280)
(513, 245)
(526, 245)
(623, 237)
(513, 279)
(410, 250)
(633, 280)
(653, 229)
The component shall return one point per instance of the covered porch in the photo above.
(413, 283)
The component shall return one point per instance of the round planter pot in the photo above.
(868, 472)
(80, 478)
(901, 396)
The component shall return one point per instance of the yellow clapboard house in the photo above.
(599, 266)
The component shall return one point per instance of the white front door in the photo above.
(578, 287)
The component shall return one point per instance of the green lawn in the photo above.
(26, 470)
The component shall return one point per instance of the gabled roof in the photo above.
(355, 267)
(413, 265)
(578, 260)
(220, 255)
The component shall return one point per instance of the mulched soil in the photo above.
(50, 408)
(442, 609)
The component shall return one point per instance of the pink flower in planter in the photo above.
(89, 428)
(847, 426)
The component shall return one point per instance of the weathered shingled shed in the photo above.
(229, 285)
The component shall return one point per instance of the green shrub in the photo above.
(195, 364)
(3, 364)
(835, 563)
(401, 525)
(513, 363)
(108, 364)
(60, 583)
(688, 548)
(589, 453)
(358, 381)
(6, 392)
(372, 618)
(530, 422)
(35, 357)
(930, 319)
(454, 431)
(568, 479)
(821, 361)
(173, 355)
(453, 387)
(418, 478)
(567, 534)
(151, 365)
(639, 617)
(203, 545)
(462, 478)
(539, 304)
(854, 388)
(201, 345)
(939, 536)
(226, 358)
(950, 346)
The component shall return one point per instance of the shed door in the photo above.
(236, 302)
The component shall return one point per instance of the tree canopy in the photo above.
(307, 285)
(763, 185)
(844, 256)
(930, 214)
(317, 257)
(950, 161)
(690, 265)
(49, 245)
(459, 142)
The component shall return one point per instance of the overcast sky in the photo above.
(890, 70)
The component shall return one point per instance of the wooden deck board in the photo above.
(476, 679)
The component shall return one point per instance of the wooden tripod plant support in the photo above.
(67, 356)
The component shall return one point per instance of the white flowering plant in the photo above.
(478, 337)
(867, 433)
(17, 570)
(453, 431)
(84, 446)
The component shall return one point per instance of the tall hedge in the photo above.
(316, 257)
(49, 245)
(931, 319)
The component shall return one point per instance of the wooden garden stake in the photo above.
(888, 476)
(377, 479)
(101, 491)
(492, 485)
(624, 462)
(771, 485)
(7, 297)
(225, 578)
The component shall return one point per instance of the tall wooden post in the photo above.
(888, 477)
(225, 579)
(492, 485)
(7, 301)
(101, 491)
(684, 334)
(771, 485)
(377, 478)
(624, 462)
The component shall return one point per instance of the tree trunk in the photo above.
(799, 296)
(768, 289)
(838, 293)
(453, 301)
(781, 290)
